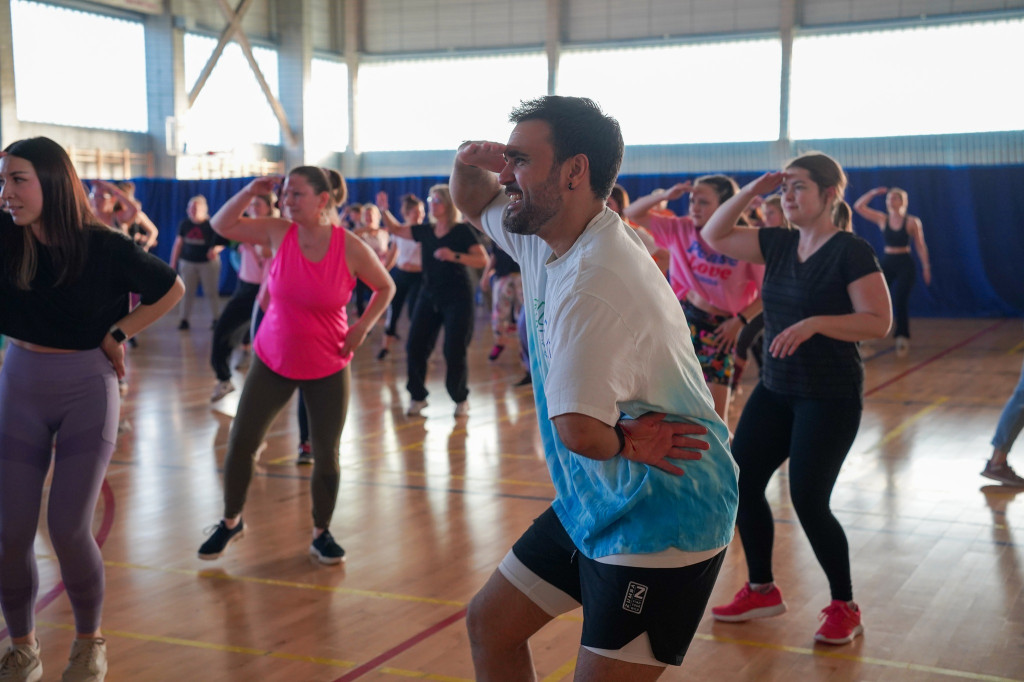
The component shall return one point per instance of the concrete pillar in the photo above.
(8, 101)
(295, 56)
(166, 92)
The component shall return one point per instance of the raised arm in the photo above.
(230, 223)
(639, 210)
(916, 229)
(723, 234)
(864, 211)
(149, 228)
(129, 209)
(474, 181)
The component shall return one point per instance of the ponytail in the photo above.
(842, 216)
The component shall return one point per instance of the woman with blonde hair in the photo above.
(196, 254)
(450, 248)
(823, 292)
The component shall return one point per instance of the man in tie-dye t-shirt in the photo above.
(622, 408)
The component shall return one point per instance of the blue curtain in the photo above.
(973, 220)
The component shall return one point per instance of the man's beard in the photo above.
(533, 215)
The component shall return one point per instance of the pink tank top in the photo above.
(305, 326)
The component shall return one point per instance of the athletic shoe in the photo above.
(495, 352)
(221, 389)
(305, 454)
(88, 661)
(382, 353)
(1003, 473)
(326, 550)
(462, 408)
(220, 537)
(21, 664)
(133, 342)
(842, 623)
(749, 604)
(415, 408)
(526, 380)
(902, 346)
(183, 325)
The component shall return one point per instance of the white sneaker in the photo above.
(462, 409)
(415, 408)
(221, 389)
(87, 662)
(21, 664)
(902, 346)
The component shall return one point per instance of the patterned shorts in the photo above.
(717, 365)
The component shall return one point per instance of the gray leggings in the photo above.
(263, 397)
(70, 399)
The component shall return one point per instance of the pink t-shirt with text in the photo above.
(724, 282)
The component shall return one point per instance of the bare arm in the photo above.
(870, 319)
(922, 249)
(137, 320)
(476, 257)
(474, 181)
(391, 256)
(128, 207)
(229, 222)
(862, 208)
(366, 266)
(639, 210)
(723, 234)
(175, 252)
(150, 229)
(648, 439)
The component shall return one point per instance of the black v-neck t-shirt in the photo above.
(821, 367)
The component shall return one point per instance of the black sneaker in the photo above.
(183, 325)
(382, 353)
(305, 454)
(326, 550)
(525, 381)
(220, 537)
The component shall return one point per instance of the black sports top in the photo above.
(897, 238)
(77, 315)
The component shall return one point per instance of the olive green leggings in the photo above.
(263, 397)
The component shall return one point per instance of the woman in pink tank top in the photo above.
(304, 341)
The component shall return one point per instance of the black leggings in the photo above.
(815, 435)
(235, 318)
(900, 274)
(407, 290)
(456, 316)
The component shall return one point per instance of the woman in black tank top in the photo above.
(898, 227)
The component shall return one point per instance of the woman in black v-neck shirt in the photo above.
(450, 248)
(823, 291)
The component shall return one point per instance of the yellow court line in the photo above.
(262, 653)
(907, 423)
(915, 667)
(1016, 349)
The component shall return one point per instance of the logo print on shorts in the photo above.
(635, 595)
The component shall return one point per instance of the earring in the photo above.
(570, 185)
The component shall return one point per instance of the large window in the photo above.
(231, 112)
(959, 78)
(327, 108)
(705, 92)
(107, 89)
(438, 103)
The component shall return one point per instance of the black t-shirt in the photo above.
(504, 264)
(197, 240)
(445, 279)
(822, 367)
(77, 315)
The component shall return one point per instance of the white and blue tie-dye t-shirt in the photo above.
(607, 337)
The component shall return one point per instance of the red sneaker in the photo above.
(749, 604)
(842, 623)
(495, 352)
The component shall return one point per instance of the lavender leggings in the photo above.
(70, 399)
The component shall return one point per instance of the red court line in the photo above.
(101, 537)
(934, 358)
(404, 646)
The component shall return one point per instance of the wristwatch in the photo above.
(117, 334)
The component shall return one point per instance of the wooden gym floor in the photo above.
(428, 507)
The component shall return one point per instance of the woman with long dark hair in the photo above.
(65, 278)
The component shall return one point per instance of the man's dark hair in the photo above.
(578, 126)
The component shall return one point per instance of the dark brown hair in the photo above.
(827, 174)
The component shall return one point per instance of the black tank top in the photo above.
(897, 238)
